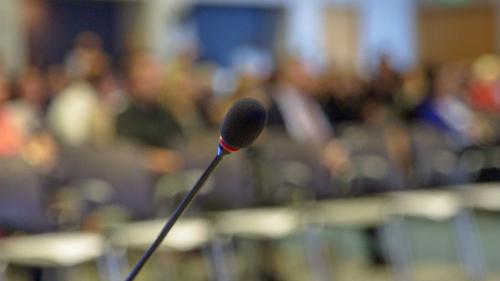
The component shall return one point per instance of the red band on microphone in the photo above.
(226, 146)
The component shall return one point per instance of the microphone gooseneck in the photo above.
(175, 216)
(241, 126)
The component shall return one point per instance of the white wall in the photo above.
(388, 26)
(304, 30)
(160, 18)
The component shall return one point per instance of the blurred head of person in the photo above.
(182, 79)
(329, 79)
(386, 82)
(350, 85)
(293, 72)
(250, 85)
(374, 112)
(88, 61)
(88, 40)
(145, 78)
(486, 68)
(94, 65)
(57, 78)
(33, 87)
(385, 65)
(341, 85)
(450, 81)
(485, 83)
(414, 89)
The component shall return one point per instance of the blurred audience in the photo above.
(361, 128)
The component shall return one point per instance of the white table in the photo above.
(185, 235)
(52, 249)
(267, 223)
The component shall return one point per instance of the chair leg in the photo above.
(216, 255)
(114, 264)
(3, 271)
(53, 274)
(315, 254)
(469, 246)
(397, 249)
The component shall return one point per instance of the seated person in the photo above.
(11, 140)
(144, 120)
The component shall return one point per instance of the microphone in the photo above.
(241, 126)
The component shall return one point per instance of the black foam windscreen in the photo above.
(243, 123)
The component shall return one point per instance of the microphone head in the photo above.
(242, 124)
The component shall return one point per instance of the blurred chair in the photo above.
(287, 171)
(118, 171)
(56, 254)
(373, 169)
(473, 161)
(482, 163)
(190, 237)
(23, 201)
(435, 157)
(429, 237)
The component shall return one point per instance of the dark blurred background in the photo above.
(109, 109)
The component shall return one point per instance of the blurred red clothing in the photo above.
(11, 140)
(485, 96)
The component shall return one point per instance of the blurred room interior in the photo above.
(379, 161)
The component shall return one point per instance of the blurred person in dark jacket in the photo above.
(386, 82)
(340, 96)
(144, 121)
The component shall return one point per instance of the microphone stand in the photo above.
(176, 214)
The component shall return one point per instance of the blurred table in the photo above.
(185, 235)
(267, 223)
(431, 204)
(362, 212)
(51, 250)
(484, 196)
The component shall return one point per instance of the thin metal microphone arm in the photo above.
(176, 214)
